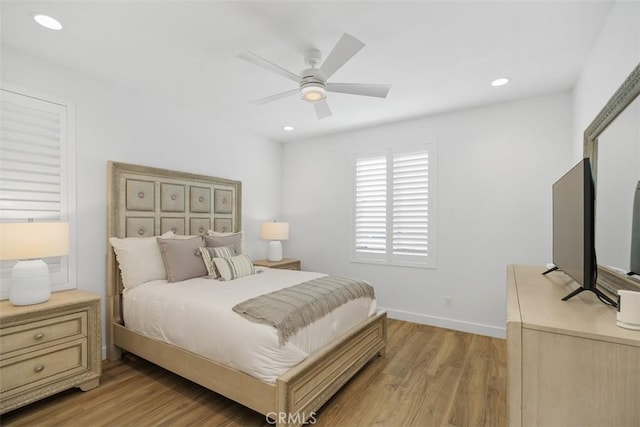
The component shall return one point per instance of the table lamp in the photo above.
(28, 242)
(275, 232)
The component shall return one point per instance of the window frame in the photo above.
(66, 277)
(388, 257)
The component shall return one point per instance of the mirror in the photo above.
(618, 176)
(612, 142)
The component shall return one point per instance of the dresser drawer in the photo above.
(44, 366)
(44, 331)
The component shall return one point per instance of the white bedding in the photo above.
(196, 315)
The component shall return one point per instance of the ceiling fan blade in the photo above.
(322, 109)
(364, 89)
(268, 65)
(343, 51)
(280, 95)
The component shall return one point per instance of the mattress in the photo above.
(197, 316)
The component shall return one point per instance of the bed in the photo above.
(147, 202)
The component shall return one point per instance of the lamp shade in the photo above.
(28, 240)
(274, 231)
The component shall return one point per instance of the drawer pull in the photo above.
(38, 336)
(38, 368)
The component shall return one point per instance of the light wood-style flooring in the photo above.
(429, 377)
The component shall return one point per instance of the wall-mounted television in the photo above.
(574, 229)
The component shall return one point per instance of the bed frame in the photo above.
(144, 201)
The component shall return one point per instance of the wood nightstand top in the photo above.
(57, 301)
(285, 264)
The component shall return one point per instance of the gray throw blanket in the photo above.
(290, 309)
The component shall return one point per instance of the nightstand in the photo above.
(50, 347)
(284, 264)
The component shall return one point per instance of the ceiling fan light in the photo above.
(313, 93)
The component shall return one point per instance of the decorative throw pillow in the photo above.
(139, 259)
(223, 252)
(226, 239)
(182, 258)
(234, 267)
(208, 254)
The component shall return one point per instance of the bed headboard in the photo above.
(144, 201)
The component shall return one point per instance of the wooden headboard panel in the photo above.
(144, 201)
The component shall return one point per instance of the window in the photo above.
(37, 172)
(394, 220)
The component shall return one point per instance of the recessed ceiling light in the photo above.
(500, 82)
(287, 128)
(48, 22)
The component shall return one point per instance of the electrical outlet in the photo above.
(447, 301)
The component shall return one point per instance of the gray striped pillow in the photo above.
(208, 254)
(234, 267)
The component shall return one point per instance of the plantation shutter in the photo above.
(411, 204)
(371, 205)
(34, 169)
(393, 208)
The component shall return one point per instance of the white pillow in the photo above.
(243, 245)
(140, 259)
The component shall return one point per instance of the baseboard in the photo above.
(443, 322)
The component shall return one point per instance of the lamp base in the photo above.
(30, 283)
(275, 251)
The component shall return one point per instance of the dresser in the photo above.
(49, 347)
(568, 363)
(284, 264)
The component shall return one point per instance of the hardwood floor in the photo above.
(429, 377)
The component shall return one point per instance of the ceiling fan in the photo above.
(312, 82)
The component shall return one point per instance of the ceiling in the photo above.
(438, 55)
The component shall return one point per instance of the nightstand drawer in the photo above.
(44, 331)
(294, 266)
(41, 367)
(284, 264)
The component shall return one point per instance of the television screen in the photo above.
(574, 229)
(634, 267)
(573, 224)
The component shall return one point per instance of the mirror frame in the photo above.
(624, 96)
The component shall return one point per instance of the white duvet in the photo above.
(196, 315)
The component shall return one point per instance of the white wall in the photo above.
(116, 123)
(495, 166)
(615, 54)
(613, 57)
